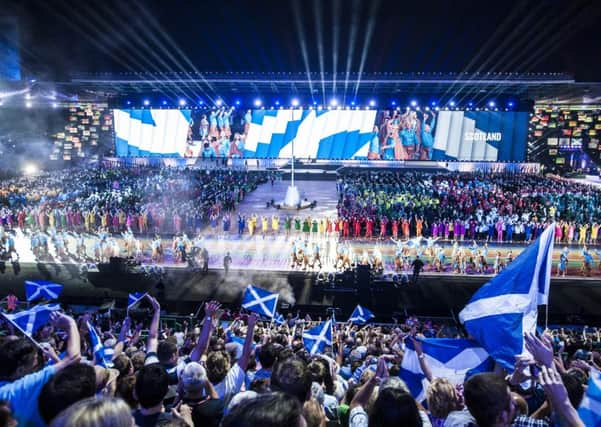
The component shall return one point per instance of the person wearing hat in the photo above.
(197, 392)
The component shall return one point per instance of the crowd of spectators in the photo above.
(467, 206)
(143, 200)
(232, 369)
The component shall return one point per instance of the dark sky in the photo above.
(58, 37)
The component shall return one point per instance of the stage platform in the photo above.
(572, 299)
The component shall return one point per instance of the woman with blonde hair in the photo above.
(95, 412)
(443, 398)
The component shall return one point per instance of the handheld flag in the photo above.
(506, 307)
(590, 407)
(260, 301)
(447, 358)
(279, 318)
(318, 337)
(98, 347)
(42, 289)
(134, 299)
(29, 321)
(360, 316)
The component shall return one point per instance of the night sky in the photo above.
(59, 37)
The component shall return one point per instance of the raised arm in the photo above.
(248, 341)
(207, 329)
(68, 324)
(153, 332)
(422, 359)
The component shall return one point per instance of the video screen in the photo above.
(323, 134)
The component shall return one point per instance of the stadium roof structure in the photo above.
(552, 88)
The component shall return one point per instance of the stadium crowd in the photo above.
(466, 206)
(232, 369)
(143, 200)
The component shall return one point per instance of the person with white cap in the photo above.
(197, 392)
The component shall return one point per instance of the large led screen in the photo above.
(323, 134)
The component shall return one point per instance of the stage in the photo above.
(443, 295)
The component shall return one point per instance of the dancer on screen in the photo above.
(427, 137)
(374, 145)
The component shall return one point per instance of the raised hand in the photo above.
(540, 348)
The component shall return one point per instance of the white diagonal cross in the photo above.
(260, 301)
(319, 338)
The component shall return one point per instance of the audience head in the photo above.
(152, 384)
(293, 377)
(18, 357)
(488, 399)
(267, 410)
(95, 412)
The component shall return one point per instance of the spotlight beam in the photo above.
(317, 15)
(371, 24)
(302, 41)
(335, 37)
(351, 45)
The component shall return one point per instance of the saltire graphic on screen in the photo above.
(480, 135)
(149, 132)
(325, 134)
(318, 337)
(29, 321)
(42, 289)
(360, 315)
(447, 358)
(260, 301)
(508, 303)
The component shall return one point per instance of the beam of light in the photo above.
(351, 44)
(491, 41)
(132, 34)
(300, 30)
(371, 24)
(95, 41)
(317, 15)
(550, 42)
(173, 46)
(335, 36)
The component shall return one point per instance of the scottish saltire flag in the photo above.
(29, 321)
(360, 316)
(260, 301)
(279, 318)
(449, 358)
(134, 299)
(318, 337)
(590, 407)
(506, 307)
(98, 348)
(42, 289)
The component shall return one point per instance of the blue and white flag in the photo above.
(590, 407)
(360, 316)
(42, 289)
(279, 319)
(260, 301)
(506, 307)
(318, 337)
(448, 358)
(134, 299)
(102, 357)
(29, 321)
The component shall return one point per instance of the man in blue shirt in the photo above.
(21, 379)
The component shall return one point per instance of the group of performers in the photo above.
(403, 136)
(215, 135)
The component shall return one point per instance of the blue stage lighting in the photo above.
(146, 103)
(433, 103)
(393, 103)
(219, 102)
(413, 103)
(372, 102)
(128, 102)
(258, 102)
(491, 104)
(182, 102)
(294, 102)
(237, 102)
(164, 102)
(510, 104)
(452, 103)
(470, 104)
(352, 102)
(277, 102)
(333, 102)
